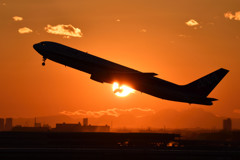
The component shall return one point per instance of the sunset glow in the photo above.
(121, 91)
(180, 41)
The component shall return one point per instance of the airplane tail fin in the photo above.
(206, 84)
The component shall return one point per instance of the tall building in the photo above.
(85, 121)
(227, 124)
(8, 124)
(37, 124)
(1, 124)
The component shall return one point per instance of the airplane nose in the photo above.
(38, 48)
(35, 46)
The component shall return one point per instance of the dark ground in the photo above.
(115, 154)
(55, 145)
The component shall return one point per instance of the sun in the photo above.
(121, 91)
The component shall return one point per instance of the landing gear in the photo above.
(43, 63)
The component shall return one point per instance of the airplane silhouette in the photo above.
(102, 70)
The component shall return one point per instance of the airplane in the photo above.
(104, 71)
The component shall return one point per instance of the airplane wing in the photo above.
(121, 77)
(137, 74)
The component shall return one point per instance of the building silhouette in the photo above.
(37, 124)
(227, 125)
(85, 121)
(1, 124)
(71, 127)
(8, 124)
(20, 128)
(38, 127)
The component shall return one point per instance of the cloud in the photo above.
(231, 16)
(182, 35)
(17, 18)
(24, 30)
(192, 22)
(143, 30)
(236, 111)
(65, 30)
(116, 112)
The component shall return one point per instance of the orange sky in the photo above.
(147, 35)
